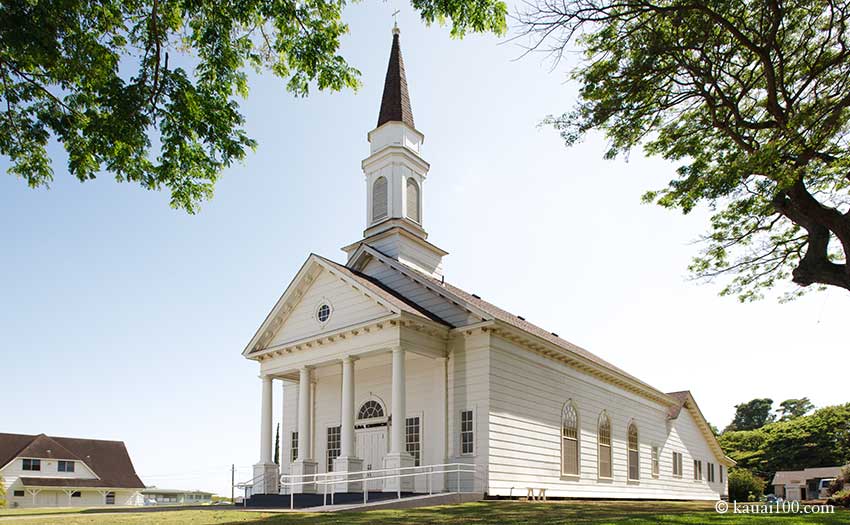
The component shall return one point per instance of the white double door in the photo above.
(372, 448)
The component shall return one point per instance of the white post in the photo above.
(347, 431)
(304, 438)
(266, 421)
(399, 400)
(440, 423)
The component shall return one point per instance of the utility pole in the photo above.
(232, 483)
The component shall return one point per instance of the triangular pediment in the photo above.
(350, 298)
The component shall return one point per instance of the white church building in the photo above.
(383, 364)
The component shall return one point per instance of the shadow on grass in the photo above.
(513, 512)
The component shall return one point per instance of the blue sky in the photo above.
(121, 318)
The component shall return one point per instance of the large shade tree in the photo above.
(146, 90)
(751, 98)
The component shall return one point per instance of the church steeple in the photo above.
(395, 104)
(395, 176)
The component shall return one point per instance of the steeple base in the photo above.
(405, 247)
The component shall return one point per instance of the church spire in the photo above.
(395, 104)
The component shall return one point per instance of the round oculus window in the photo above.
(323, 313)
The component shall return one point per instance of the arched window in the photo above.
(370, 410)
(604, 440)
(412, 200)
(379, 199)
(634, 452)
(569, 440)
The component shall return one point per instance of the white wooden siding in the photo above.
(527, 395)
(349, 308)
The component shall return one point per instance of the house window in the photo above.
(467, 433)
(634, 453)
(721, 473)
(604, 440)
(333, 446)
(656, 467)
(18, 493)
(412, 200)
(370, 410)
(323, 313)
(32, 464)
(697, 470)
(710, 472)
(66, 466)
(412, 439)
(293, 446)
(110, 498)
(379, 199)
(677, 464)
(569, 440)
(76, 494)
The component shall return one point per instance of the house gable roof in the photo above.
(382, 295)
(686, 400)
(109, 460)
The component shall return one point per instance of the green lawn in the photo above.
(495, 512)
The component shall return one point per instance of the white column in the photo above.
(266, 421)
(284, 459)
(304, 425)
(440, 420)
(399, 410)
(347, 420)
(398, 458)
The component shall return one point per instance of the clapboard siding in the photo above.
(349, 307)
(526, 396)
(418, 294)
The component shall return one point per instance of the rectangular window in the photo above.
(721, 473)
(467, 433)
(412, 439)
(76, 494)
(711, 472)
(677, 464)
(334, 436)
(32, 464)
(656, 468)
(293, 445)
(110, 498)
(697, 470)
(18, 493)
(66, 466)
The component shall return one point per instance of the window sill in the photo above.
(570, 477)
(633, 482)
(604, 479)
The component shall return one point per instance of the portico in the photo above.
(331, 400)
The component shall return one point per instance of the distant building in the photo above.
(803, 484)
(44, 471)
(176, 497)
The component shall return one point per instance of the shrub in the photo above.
(743, 485)
(843, 480)
(840, 498)
(2, 493)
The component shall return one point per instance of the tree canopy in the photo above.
(108, 80)
(750, 98)
(794, 408)
(817, 440)
(752, 415)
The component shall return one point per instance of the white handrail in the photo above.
(325, 479)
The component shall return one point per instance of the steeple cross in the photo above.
(395, 18)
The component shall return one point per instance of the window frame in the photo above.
(678, 464)
(386, 205)
(603, 416)
(407, 185)
(655, 462)
(709, 471)
(77, 494)
(470, 432)
(109, 496)
(570, 405)
(335, 432)
(697, 470)
(293, 445)
(629, 451)
(720, 470)
(31, 465)
(62, 466)
(416, 445)
(19, 493)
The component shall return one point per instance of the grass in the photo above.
(489, 512)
